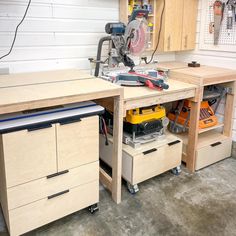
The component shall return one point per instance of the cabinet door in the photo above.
(190, 9)
(173, 25)
(77, 143)
(29, 155)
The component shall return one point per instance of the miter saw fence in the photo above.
(124, 40)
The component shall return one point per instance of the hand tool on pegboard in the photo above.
(218, 8)
(211, 20)
(231, 13)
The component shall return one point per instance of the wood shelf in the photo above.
(200, 131)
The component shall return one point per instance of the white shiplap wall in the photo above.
(56, 33)
(212, 58)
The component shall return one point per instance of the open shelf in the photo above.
(220, 125)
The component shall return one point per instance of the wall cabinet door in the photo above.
(178, 24)
(190, 9)
(173, 25)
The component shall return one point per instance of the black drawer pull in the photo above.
(38, 127)
(70, 121)
(149, 151)
(216, 144)
(57, 174)
(174, 142)
(58, 194)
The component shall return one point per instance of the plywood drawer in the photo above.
(38, 189)
(212, 153)
(77, 143)
(29, 155)
(155, 161)
(34, 215)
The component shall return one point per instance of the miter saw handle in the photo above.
(139, 13)
(99, 53)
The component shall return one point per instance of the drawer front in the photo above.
(38, 189)
(77, 143)
(34, 215)
(156, 161)
(29, 155)
(213, 153)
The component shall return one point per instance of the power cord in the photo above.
(14, 39)
(159, 36)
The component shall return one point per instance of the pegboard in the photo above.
(227, 38)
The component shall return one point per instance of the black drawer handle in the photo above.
(58, 194)
(174, 142)
(70, 121)
(57, 174)
(149, 151)
(216, 144)
(38, 127)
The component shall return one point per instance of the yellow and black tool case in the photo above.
(145, 120)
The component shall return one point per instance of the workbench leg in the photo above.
(117, 149)
(193, 131)
(229, 112)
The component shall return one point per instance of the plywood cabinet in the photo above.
(44, 168)
(179, 21)
(178, 24)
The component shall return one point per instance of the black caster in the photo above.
(132, 188)
(94, 208)
(176, 170)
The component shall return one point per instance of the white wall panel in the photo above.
(56, 33)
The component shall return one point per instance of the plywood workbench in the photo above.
(203, 147)
(19, 92)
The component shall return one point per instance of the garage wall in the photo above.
(56, 33)
(212, 58)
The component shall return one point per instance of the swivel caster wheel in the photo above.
(176, 170)
(132, 188)
(94, 208)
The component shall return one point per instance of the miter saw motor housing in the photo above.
(121, 39)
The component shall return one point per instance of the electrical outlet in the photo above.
(4, 71)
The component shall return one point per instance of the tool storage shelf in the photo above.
(46, 165)
(176, 35)
(203, 147)
(146, 161)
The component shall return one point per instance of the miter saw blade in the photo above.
(138, 31)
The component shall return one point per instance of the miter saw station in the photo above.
(123, 40)
(179, 116)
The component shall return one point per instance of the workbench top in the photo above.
(20, 92)
(132, 93)
(204, 75)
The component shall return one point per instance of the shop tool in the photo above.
(124, 40)
(179, 117)
(231, 13)
(218, 8)
(141, 125)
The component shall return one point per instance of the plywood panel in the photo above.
(77, 143)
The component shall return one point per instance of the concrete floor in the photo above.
(199, 204)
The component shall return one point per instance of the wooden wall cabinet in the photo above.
(178, 24)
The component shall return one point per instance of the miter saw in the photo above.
(124, 40)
